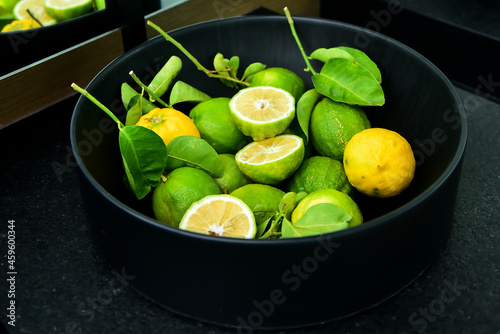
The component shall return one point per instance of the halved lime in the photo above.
(63, 10)
(36, 8)
(222, 215)
(263, 111)
(271, 160)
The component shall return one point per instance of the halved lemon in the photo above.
(222, 215)
(262, 111)
(271, 160)
(36, 8)
(63, 10)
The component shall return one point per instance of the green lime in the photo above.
(319, 173)
(272, 160)
(7, 6)
(333, 124)
(232, 177)
(183, 187)
(63, 10)
(262, 112)
(340, 199)
(262, 199)
(280, 78)
(36, 8)
(100, 4)
(215, 124)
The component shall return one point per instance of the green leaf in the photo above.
(194, 152)
(252, 69)
(127, 93)
(324, 55)
(164, 78)
(144, 157)
(224, 67)
(318, 219)
(365, 61)
(355, 55)
(287, 204)
(233, 65)
(263, 227)
(137, 107)
(345, 81)
(134, 114)
(305, 106)
(182, 92)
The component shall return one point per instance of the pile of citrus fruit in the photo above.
(275, 177)
(28, 14)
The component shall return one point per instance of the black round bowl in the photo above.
(277, 283)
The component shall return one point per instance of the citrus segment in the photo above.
(36, 8)
(63, 10)
(272, 160)
(379, 162)
(221, 215)
(169, 123)
(262, 112)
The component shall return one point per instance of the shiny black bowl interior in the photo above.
(277, 283)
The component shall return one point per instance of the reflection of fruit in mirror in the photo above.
(24, 24)
(63, 10)
(7, 6)
(100, 4)
(36, 7)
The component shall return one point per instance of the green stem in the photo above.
(148, 90)
(195, 61)
(99, 104)
(299, 44)
(179, 46)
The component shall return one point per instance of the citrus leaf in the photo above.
(133, 114)
(221, 65)
(144, 157)
(356, 55)
(346, 81)
(233, 65)
(183, 92)
(261, 228)
(318, 219)
(324, 55)
(164, 78)
(365, 61)
(305, 106)
(287, 204)
(127, 93)
(252, 69)
(194, 152)
(137, 107)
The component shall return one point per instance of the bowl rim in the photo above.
(366, 227)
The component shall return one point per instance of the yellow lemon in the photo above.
(379, 162)
(169, 123)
